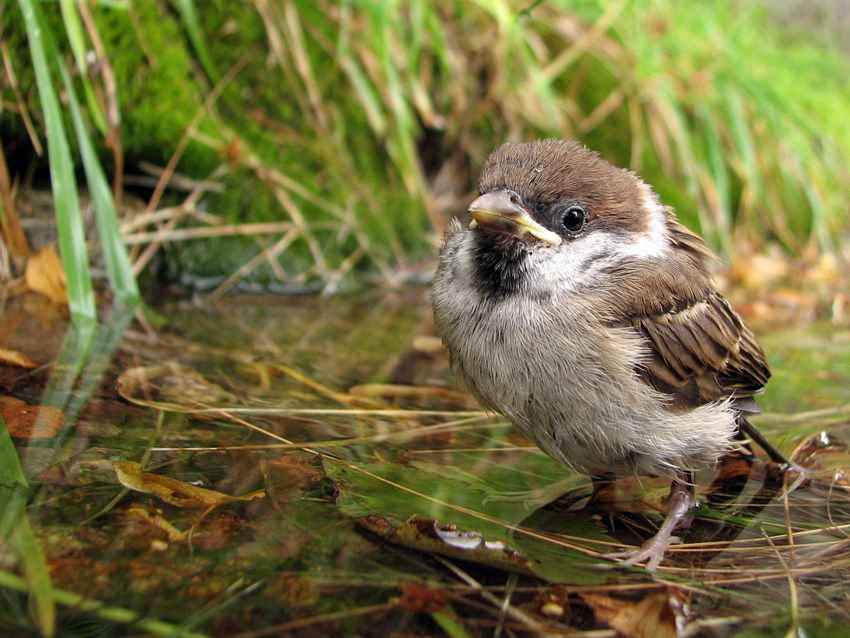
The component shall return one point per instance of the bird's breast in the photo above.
(570, 384)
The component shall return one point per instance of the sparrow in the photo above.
(577, 305)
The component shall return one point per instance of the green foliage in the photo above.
(68, 217)
(365, 123)
(46, 63)
(159, 92)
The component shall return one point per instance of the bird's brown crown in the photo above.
(546, 172)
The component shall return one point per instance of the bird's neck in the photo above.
(500, 266)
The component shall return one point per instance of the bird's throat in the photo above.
(501, 265)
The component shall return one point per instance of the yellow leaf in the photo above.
(172, 491)
(44, 274)
(15, 358)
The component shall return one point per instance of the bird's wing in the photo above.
(702, 352)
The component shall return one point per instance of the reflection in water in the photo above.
(750, 512)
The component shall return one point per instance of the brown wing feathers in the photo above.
(703, 353)
(700, 349)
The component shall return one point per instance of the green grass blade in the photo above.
(72, 240)
(451, 626)
(42, 603)
(13, 483)
(186, 8)
(718, 169)
(84, 604)
(742, 135)
(14, 526)
(74, 33)
(114, 251)
(77, 39)
(366, 93)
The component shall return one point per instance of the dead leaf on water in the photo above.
(32, 421)
(170, 386)
(429, 536)
(663, 614)
(44, 274)
(172, 491)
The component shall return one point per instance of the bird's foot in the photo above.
(652, 551)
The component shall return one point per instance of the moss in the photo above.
(158, 90)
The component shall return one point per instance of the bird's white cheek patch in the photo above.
(654, 241)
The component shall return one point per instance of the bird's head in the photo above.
(560, 194)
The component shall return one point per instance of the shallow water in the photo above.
(389, 502)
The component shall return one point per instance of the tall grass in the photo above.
(363, 124)
(69, 223)
(740, 128)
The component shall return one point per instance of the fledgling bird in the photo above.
(576, 305)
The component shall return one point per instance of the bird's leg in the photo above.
(774, 453)
(679, 503)
(601, 485)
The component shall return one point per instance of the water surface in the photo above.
(378, 498)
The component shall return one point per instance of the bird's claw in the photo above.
(652, 551)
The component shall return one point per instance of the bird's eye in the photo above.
(575, 218)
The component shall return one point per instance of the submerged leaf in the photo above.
(418, 596)
(376, 493)
(187, 387)
(656, 615)
(429, 536)
(827, 456)
(32, 421)
(172, 491)
(156, 519)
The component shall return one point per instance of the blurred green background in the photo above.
(354, 130)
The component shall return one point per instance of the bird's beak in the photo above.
(499, 212)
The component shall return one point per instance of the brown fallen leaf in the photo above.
(152, 385)
(44, 274)
(428, 535)
(662, 614)
(15, 358)
(172, 491)
(32, 421)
